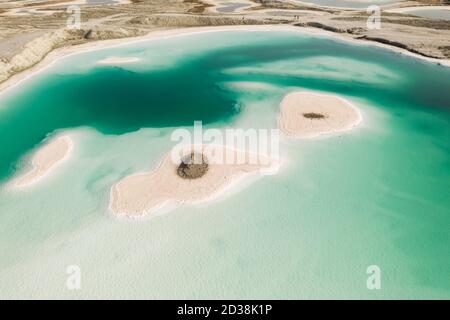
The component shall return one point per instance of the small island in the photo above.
(45, 160)
(309, 115)
(193, 178)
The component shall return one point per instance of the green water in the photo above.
(377, 195)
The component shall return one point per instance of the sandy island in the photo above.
(119, 60)
(45, 160)
(309, 115)
(169, 185)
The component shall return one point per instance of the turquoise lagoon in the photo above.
(378, 195)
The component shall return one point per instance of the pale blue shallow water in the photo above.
(375, 196)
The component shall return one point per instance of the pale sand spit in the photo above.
(45, 160)
(149, 193)
(119, 60)
(309, 115)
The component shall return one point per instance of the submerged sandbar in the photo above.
(118, 60)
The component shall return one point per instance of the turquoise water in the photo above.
(377, 195)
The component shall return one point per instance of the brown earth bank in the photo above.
(25, 39)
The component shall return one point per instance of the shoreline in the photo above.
(60, 53)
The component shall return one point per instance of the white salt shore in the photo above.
(309, 115)
(149, 193)
(46, 160)
(118, 60)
